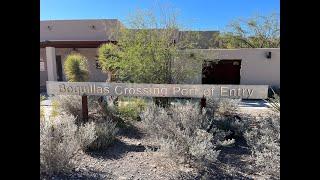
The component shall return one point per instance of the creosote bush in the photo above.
(264, 142)
(181, 131)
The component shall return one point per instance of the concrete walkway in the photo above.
(255, 104)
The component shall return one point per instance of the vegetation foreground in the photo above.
(136, 139)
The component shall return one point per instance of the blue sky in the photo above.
(201, 14)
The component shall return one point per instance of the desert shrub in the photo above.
(185, 148)
(106, 131)
(76, 68)
(235, 125)
(86, 135)
(223, 106)
(58, 144)
(226, 117)
(181, 131)
(131, 110)
(98, 107)
(264, 142)
(60, 140)
(72, 105)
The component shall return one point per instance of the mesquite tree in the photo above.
(254, 32)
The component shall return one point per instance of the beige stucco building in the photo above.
(59, 38)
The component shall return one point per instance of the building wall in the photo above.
(43, 74)
(256, 69)
(83, 30)
(78, 29)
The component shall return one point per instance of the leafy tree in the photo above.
(76, 68)
(254, 32)
(150, 50)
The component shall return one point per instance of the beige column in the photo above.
(51, 64)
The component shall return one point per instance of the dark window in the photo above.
(59, 68)
(222, 72)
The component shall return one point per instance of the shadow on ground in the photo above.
(130, 131)
(117, 150)
(230, 164)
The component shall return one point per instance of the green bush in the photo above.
(76, 68)
(108, 56)
(131, 110)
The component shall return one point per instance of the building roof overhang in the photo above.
(73, 43)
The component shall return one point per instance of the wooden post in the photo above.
(203, 103)
(85, 108)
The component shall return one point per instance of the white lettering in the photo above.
(184, 92)
(63, 86)
(250, 93)
(222, 90)
(175, 90)
(116, 90)
(164, 91)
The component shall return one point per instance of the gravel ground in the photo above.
(130, 157)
